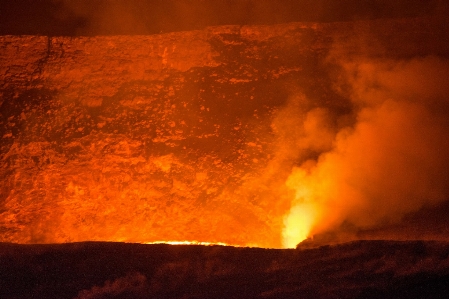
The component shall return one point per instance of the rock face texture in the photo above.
(171, 136)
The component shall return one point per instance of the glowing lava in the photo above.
(301, 218)
(298, 224)
(192, 243)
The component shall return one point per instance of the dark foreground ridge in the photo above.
(360, 269)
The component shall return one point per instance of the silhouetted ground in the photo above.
(360, 269)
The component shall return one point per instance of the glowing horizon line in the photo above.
(192, 243)
(204, 244)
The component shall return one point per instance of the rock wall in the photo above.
(171, 136)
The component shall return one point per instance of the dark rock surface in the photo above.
(362, 269)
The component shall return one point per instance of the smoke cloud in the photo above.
(392, 161)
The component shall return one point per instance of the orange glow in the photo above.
(191, 243)
(384, 166)
(252, 136)
(298, 224)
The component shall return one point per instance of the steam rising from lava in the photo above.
(392, 161)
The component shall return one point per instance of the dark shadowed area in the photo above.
(125, 17)
(362, 269)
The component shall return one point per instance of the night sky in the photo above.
(100, 17)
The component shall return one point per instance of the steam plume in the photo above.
(391, 162)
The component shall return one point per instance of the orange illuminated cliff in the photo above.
(175, 136)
